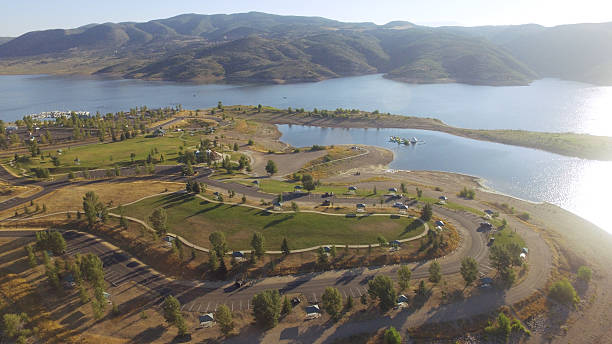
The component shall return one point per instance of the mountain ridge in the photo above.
(219, 48)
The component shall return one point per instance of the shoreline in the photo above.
(576, 145)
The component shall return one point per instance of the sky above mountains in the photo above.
(18, 17)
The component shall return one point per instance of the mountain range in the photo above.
(260, 47)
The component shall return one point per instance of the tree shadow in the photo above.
(149, 335)
(279, 221)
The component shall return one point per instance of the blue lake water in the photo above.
(581, 186)
(546, 105)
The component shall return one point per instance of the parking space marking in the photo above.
(240, 304)
(208, 305)
(199, 305)
(315, 297)
(216, 303)
(191, 307)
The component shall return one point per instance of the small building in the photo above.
(159, 132)
(168, 240)
(277, 205)
(206, 320)
(312, 312)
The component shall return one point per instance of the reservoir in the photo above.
(578, 185)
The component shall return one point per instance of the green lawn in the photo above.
(104, 155)
(276, 186)
(194, 219)
(507, 236)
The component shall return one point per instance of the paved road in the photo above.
(202, 297)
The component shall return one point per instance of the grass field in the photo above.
(276, 186)
(194, 219)
(109, 154)
(507, 236)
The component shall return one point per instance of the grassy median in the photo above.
(195, 218)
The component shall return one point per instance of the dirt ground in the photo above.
(8, 191)
(286, 163)
(71, 198)
(579, 241)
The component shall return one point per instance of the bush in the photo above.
(584, 273)
(524, 216)
(467, 193)
(392, 336)
(563, 291)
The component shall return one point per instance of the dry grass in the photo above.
(8, 191)
(71, 197)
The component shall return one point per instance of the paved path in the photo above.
(202, 297)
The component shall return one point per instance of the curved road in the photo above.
(206, 296)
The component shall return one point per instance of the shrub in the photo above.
(585, 273)
(392, 336)
(524, 216)
(563, 291)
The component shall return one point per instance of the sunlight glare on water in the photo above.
(598, 104)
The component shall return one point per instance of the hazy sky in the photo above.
(18, 17)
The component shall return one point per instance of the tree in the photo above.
(381, 287)
(31, 257)
(285, 247)
(419, 192)
(159, 220)
(172, 314)
(213, 260)
(266, 308)
(294, 207)
(392, 336)
(257, 242)
(469, 270)
(563, 291)
(13, 324)
(94, 209)
(223, 316)
(427, 212)
(271, 168)
(584, 273)
(308, 182)
(322, 259)
(235, 147)
(217, 240)
(403, 275)
(287, 306)
(403, 187)
(434, 272)
(332, 302)
(349, 302)
(422, 289)
(333, 251)
(188, 169)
